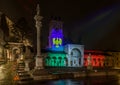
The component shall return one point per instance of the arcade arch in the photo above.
(75, 57)
(15, 50)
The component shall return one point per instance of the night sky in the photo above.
(93, 23)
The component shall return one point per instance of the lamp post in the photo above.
(38, 25)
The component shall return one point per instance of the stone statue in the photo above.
(38, 18)
(89, 59)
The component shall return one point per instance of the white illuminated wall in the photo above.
(75, 55)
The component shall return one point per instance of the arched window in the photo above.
(54, 60)
(75, 53)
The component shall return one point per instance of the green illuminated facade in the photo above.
(56, 59)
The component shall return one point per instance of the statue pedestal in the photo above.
(89, 67)
(39, 68)
(39, 62)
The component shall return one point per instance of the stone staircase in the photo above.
(24, 76)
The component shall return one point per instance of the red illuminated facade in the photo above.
(97, 58)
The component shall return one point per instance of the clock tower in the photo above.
(56, 34)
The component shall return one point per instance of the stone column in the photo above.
(38, 25)
(27, 66)
(27, 59)
(69, 62)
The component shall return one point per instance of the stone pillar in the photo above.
(77, 62)
(39, 59)
(26, 58)
(27, 66)
(69, 62)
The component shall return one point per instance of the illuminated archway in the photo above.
(75, 57)
(16, 53)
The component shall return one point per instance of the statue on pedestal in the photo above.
(89, 59)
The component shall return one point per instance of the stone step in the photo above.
(26, 78)
(20, 66)
(24, 74)
(25, 82)
(21, 63)
(20, 69)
